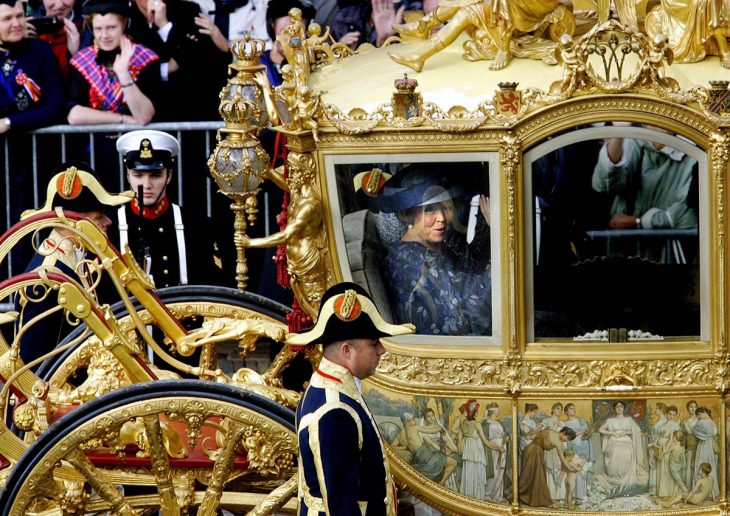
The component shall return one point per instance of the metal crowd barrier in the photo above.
(49, 147)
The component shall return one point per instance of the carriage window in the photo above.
(418, 239)
(615, 226)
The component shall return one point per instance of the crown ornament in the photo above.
(247, 53)
(405, 85)
(507, 86)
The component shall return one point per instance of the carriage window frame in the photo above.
(331, 161)
(608, 131)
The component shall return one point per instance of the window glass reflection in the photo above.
(615, 241)
(418, 238)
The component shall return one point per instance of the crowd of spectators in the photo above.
(137, 61)
(129, 62)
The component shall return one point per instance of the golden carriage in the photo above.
(584, 318)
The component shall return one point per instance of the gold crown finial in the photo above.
(248, 50)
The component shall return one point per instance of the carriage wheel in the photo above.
(190, 304)
(168, 445)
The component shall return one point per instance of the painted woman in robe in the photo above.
(496, 434)
(623, 454)
(707, 447)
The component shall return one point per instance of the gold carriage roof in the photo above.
(365, 80)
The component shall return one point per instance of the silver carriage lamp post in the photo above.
(239, 164)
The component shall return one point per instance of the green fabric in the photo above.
(648, 184)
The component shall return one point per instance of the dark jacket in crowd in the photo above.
(31, 95)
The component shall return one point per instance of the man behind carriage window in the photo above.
(653, 186)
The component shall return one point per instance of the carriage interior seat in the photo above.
(366, 257)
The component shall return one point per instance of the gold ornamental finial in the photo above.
(247, 52)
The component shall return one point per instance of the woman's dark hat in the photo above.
(74, 187)
(148, 150)
(103, 7)
(347, 312)
(417, 184)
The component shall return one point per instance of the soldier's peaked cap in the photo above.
(347, 312)
(74, 187)
(148, 150)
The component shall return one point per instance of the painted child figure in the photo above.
(703, 488)
(578, 463)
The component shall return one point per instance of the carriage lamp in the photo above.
(239, 163)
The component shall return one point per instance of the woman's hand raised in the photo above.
(121, 63)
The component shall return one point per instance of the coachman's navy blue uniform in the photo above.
(338, 436)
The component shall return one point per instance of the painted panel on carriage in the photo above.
(608, 455)
(619, 454)
(418, 238)
(462, 444)
(620, 216)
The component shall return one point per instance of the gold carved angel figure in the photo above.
(498, 30)
(318, 43)
(693, 28)
(306, 110)
(304, 233)
(293, 40)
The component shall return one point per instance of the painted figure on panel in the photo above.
(705, 430)
(425, 454)
(673, 454)
(497, 435)
(661, 450)
(623, 453)
(583, 450)
(529, 427)
(534, 487)
(475, 448)
(660, 419)
(690, 443)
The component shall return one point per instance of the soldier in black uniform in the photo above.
(174, 247)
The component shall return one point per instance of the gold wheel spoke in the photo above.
(221, 471)
(161, 466)
(98, 482)
(277, 498)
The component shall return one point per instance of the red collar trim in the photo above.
(152, 212)
(328, 376)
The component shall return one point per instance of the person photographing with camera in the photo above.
(56, 23)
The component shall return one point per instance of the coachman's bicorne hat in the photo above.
(74, 187)
(347, 312)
